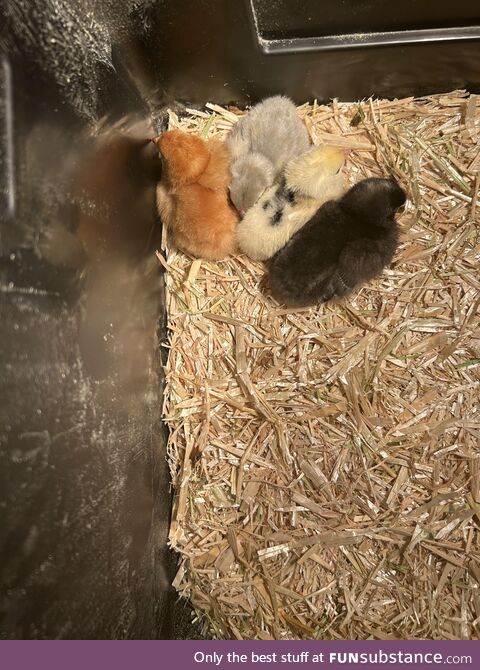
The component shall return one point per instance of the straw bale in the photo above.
(326, 461)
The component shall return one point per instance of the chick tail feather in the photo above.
(300, 293)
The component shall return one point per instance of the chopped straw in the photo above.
(325, 461)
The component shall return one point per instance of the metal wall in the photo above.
(84, 489)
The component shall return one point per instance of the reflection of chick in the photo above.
(346, 243)
(192, 197)
(261, 143)
(114, 186)
(309, 181)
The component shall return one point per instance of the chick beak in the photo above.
(155, 140)
(242, 213)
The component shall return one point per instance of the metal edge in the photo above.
(357, 40)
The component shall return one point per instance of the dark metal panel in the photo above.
(84, 485)
(84, 488)
(76, 462)
(282, 19)
(84, 492)
(213, 51)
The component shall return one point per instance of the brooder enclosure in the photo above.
(325, 460)
(299, 426)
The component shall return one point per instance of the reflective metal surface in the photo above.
(84, 487)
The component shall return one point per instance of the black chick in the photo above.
(346, 243)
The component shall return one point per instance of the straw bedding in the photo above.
(325, 461)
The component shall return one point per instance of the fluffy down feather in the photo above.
(261, 143)
(309, 181)
(192, 196)
(345, 244)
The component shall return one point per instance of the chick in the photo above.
(261, 143)
(192, 196)
(346, 243)
(308, 182)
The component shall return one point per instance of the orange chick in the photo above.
(192, 196)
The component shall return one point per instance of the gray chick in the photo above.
(260, 144)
